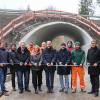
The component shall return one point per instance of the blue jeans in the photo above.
(5, 74)
(50, 79)
(66, 85)
(23, 79)
(1, 80)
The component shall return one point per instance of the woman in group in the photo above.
(63, 71)
(13, 66)
(70, 48)
(36, 70)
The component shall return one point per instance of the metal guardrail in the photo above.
(47, 13)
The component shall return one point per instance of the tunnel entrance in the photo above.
(52, 30)
(60, 39)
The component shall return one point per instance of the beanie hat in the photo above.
(77, 43)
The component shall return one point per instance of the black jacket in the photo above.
(14, 57)
(4, 56)
(93, 56)
(49, 56)
(13, 60)
(23, 56)
(64, 57)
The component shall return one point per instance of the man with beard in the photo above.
(93, 60)
(31, 47)
(49, 59)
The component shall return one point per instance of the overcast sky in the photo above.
(64, 5)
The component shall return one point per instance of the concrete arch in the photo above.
(51, 30)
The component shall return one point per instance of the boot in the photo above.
(83, 90)
(21, 91)
(73, 90)
(91, 92)
(96, 94)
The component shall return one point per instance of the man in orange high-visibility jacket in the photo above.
(78, 59)
(31, 47)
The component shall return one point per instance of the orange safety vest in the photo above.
(31, 50)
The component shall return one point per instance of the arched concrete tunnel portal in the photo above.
(51, 30)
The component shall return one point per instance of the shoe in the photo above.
(73, 90)
(39, 89)
(66, 92)
(6, 93)
(91, 92)
(36, 92)
(14, 89)
(83, 90)
(96, 94)
(48, 91)
(27, 90)
(1, 94)
(21, 91)
(51, 91)
(61, 90)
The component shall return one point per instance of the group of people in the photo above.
(69, 59)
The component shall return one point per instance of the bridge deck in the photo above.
(55, 96)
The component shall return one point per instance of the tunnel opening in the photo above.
(52, 30)
(57, 41)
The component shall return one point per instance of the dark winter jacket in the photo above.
(93, 56)
(49, 56)
(4, 57)
(64, 57)
(23, 56)
(13, 60)
(13, 57)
